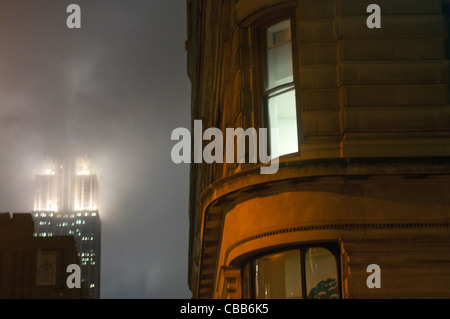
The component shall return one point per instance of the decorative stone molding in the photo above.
(332, 227)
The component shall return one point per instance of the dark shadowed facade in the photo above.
(364, 143)
(35, 268)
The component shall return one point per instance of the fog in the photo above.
(113, 90)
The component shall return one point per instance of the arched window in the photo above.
(305, 272)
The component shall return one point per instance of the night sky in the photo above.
(113, 90)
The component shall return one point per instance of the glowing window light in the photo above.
(48, 171)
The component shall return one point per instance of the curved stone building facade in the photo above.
(364, 143)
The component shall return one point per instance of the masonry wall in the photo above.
(373, 107)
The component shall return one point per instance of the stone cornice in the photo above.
(295, 170)
(360, 226)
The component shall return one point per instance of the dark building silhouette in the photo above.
(35, 268)
(66, 201)
(364, 149)
(84, 227)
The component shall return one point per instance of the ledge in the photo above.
(293, 169)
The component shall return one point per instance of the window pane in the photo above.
(321, 274)
(279, 54)
(283, 115)
(277, 276)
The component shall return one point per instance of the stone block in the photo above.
(316, 123)
(316, 31)
(316, 9)
(394, 72)
(422, 49)
(394, 27)
(390, 7)
(396, 119)
(322, 53)
(317, 99)
(395, 95)
(318, 76)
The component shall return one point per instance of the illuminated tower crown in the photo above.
(69, 185)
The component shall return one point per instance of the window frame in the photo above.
(333, 248)
(261, 94)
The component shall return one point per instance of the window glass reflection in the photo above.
(321, 274)
(278, 276)
(280, 89)
(283, 115)
(279, 54)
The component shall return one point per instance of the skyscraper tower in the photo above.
(66, 203)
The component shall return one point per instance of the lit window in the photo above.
(277, 276)
(321, 277)
(279, 89)
(307, 272)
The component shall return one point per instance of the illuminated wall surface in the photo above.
(66, 204)
(364, 144)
